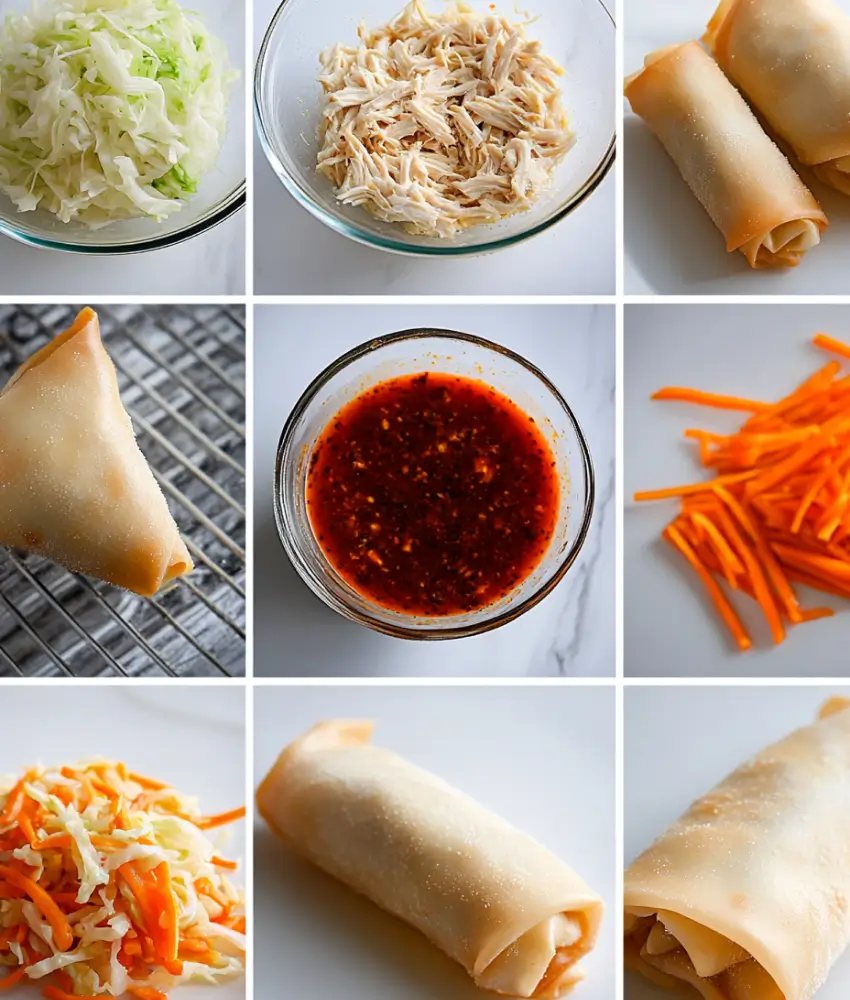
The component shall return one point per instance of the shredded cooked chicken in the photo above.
(442, 122)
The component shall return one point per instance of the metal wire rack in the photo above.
(181, 370)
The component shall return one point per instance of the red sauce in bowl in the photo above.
(433, 494)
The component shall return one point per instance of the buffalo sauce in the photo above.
(433, 494)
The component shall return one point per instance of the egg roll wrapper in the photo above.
(74, 486)
(736, 171)
(513, 915)
(747, 895)
(791, 60)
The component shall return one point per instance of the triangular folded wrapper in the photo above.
(74, 486)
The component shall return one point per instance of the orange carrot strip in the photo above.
(823, 566)
(148, 783)
(730, 563)
(761, 588)
(12, 980)
(146, 993)
(774, 571)
(224, 863)
(817, 613)
(830, 344)
(723, 606)
(681, 395)
(682, 491)
(208, 822)
(63, 936)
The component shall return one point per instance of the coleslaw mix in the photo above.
(109, 885)
(109, 109)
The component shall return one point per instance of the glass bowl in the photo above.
(219, 195)
(579, 34)
(410, 352)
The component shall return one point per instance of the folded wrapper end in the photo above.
(832, 706)
(542, 960)
(784, 246)
(648, 61)
(86, 323)
(714, 31)
(333, 733)
(835, 173)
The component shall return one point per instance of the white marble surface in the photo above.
(506, 748)
(570, 633)
(295, 254)
(671, 247)
(210, 264)
(758, 352)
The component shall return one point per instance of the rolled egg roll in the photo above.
(513, 915)
(791, 59)
(741, 178)
(747, 895)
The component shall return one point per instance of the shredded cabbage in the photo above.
(140, 895)
(109, 109)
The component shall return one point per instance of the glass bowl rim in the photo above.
(397, 246)
(293, 552)
(215, 215)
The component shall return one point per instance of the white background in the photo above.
(759, 352)
(679, 743)
(295, 254)
(571, 632)
(543, 758)
(191, 737)
(671, 245)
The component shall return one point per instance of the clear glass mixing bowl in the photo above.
(410, 352)
(220, 194)
(579, 34)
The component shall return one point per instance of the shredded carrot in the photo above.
(829, 344)
(675, 394)
(9, 981)
(109, 800)
(777, 511)
(62, 933)
(717, 595)
(146, 993)
(224, 863)
(208, 822)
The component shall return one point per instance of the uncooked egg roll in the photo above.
(513, 915)
(747, 895)
(737, 172)
(74, 486)
(791, 59)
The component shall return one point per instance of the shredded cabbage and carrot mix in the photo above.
(109, 109)
(109, 885)
(777, 512)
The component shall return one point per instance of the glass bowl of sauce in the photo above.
(431, 485)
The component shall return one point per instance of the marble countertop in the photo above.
(571, 633)
(210, 264)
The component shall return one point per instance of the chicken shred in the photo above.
(441, 122)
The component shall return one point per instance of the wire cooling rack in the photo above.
(181, 370)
